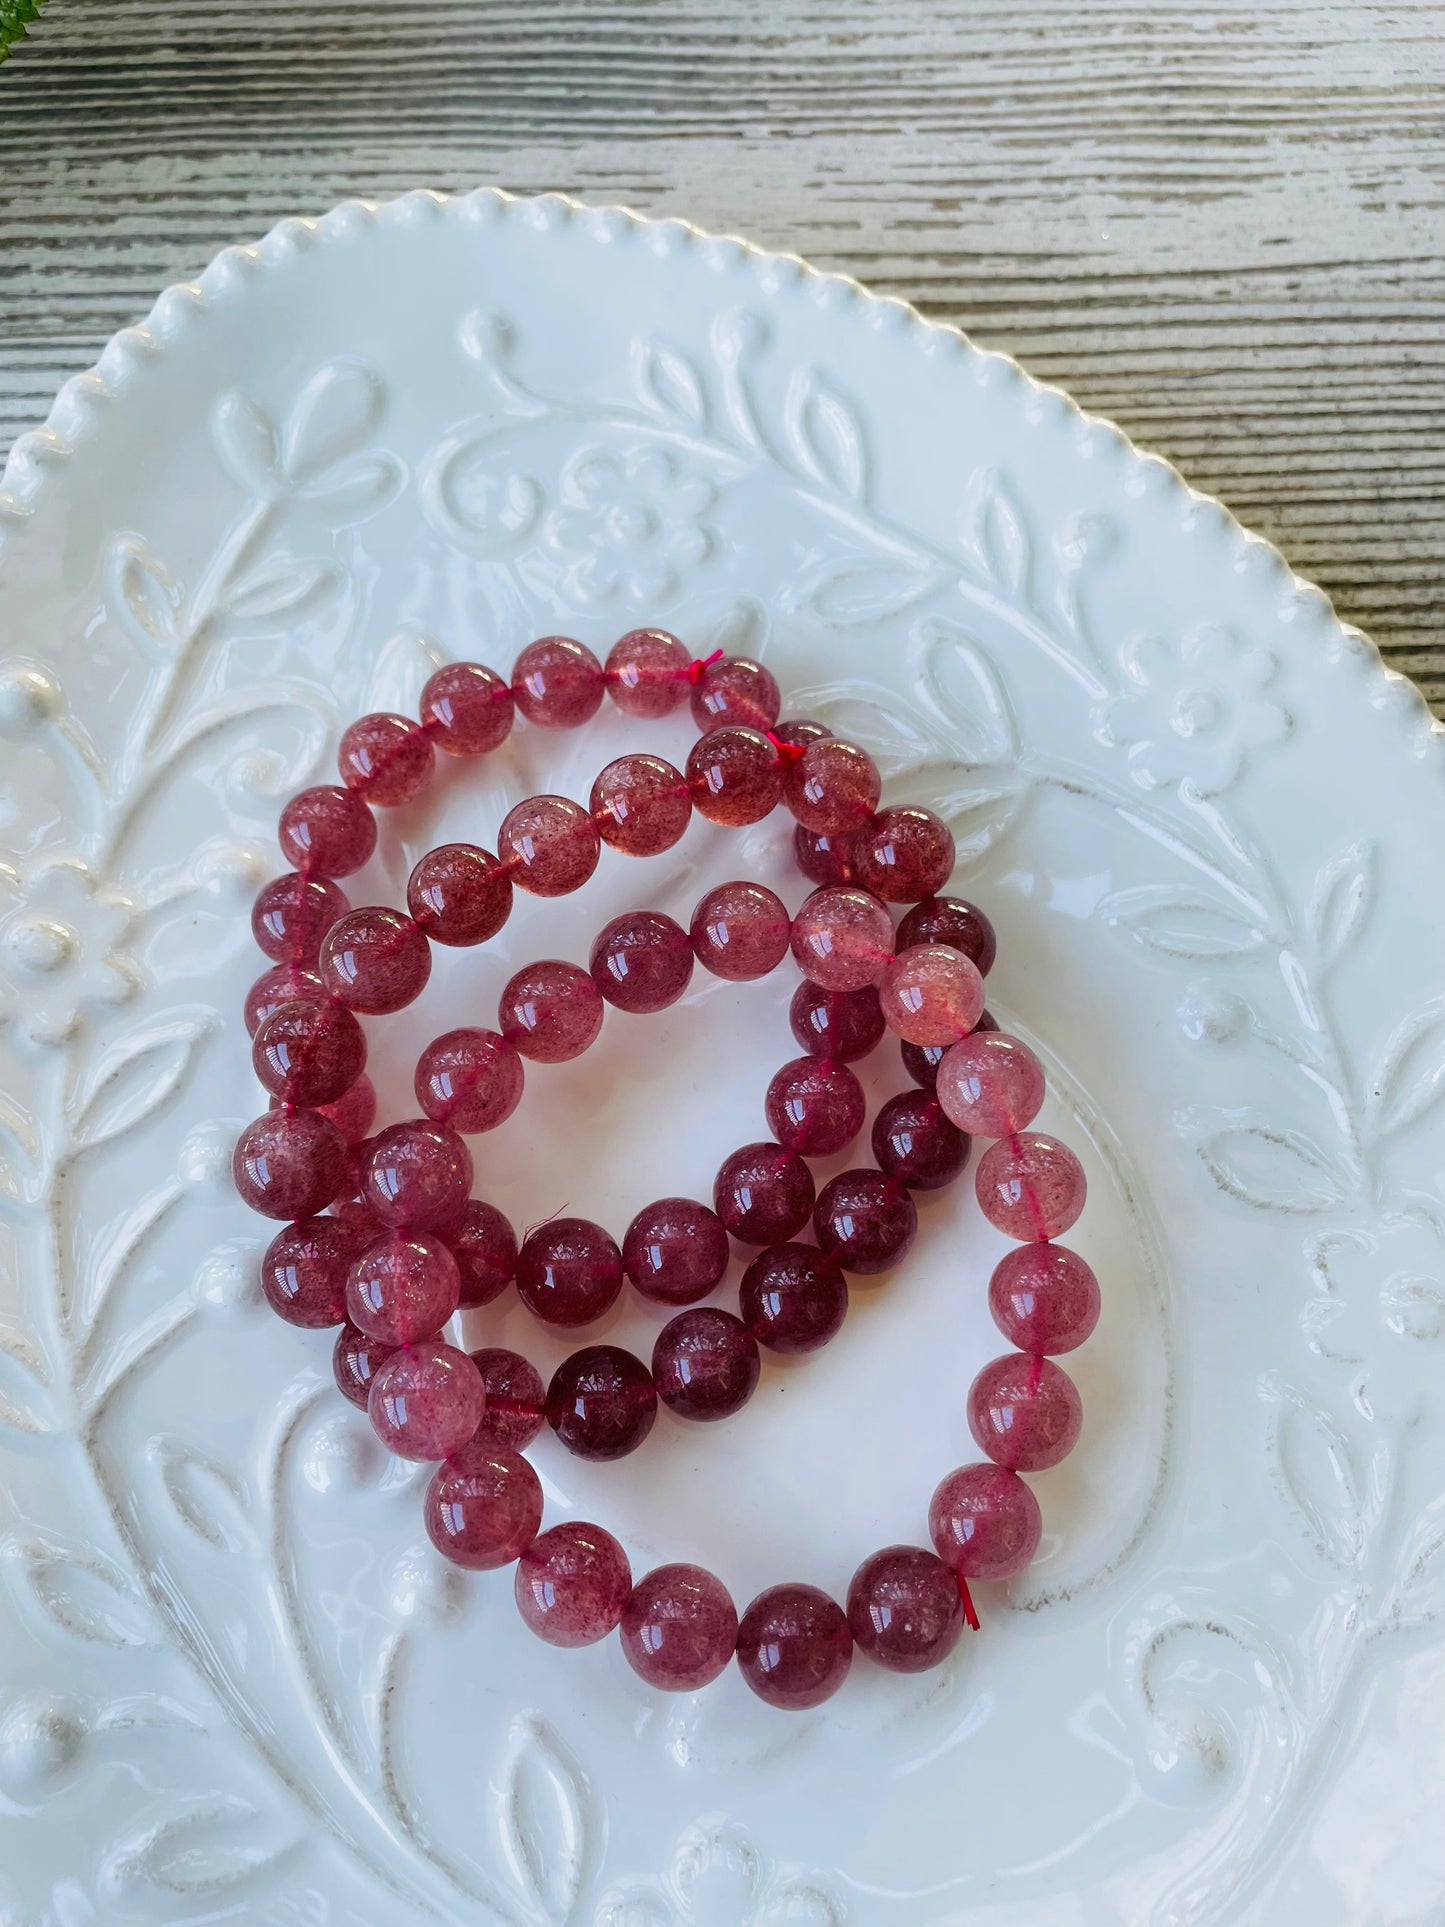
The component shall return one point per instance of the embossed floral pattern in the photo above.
(63, 951)
(1377, 1285)
(1192, 710)
(719, 1879)
(630, 524)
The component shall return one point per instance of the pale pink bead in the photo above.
(1030, 1186)
(990, 1084)
(985, 1522)
(1025, 1412)
(1044, 1298)
(557, 683)
(416, 1175)
(931, 995)
(387, 759)
(483, 1507)
(426, 1401)
(842, 938)
(466, 709)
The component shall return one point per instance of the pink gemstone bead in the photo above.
(355, 1361)
(904, 855)
(327, 831)
(569, 1272)
(375, 960)
(485, 1247)
(735, 690)
(641, 805)
(904, 1609)
(847, 1024)
(1025, 1413)
(516, 1399)
(282, 984)
(793, 1299)
(550, 1011)
(763, 1194)
(401, 1287)
(991, 1085)
(426, 1401)
(573, 1582)
(794, 1646)
(470, 1079)
(675, 1251)
(557, 683)
(1044, 1298)
(842, 939)
(865, 1220)
(832, 788)
(303, 1273)
(602, 1402)
(352, 1113)
(798, 732)
(705, 1364)
(914, 1142)
(679, 1628)
(290, 1164)
(921, 1061)
(641, 961)
(931, 995)
(483, 1507)
(1030, 1186)
(646, 673)
(985, 1522)
(293, 913)
(466, 709)
(308, 1053)
(459, 894)
(550, 844)
(815, 1106)
(824, 860)
(953, 921)
(735, 776)
(387, 759)
(417, 1175)
(740, 931)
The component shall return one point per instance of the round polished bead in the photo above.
(763, 1194)
(327, 831)
(985, 1522)
(647, 673)
(402, 1286)
(1025, 1413)
(572, 1583)
(550, 1011)
(388, 759)
(705, 1364)
(921, 1061)
(842, 938)
(641, 805)
(735, 690)
(291, 915)
(485, 1247)
(735, 776)
(459, 894)
(466, 709)
(354, 1111)
(557, 683)
(793, 1299)
(953, 921)
(914, 1142)
(931, 995)
(356, 1358)
(281, 984)
(550, 844)
(815, 1106)
(679, 1628)
(426, 1401)
(866, 1220)
(308, 1053)
(832, 788)
(991, 1084)
(1030, 1186)
(469, 1079)
(516, 1399)
(904, 855)
(904, 1609)
(290, 1164)
(375, 960)
(740, 931)
(794, 1646)
(846, 1024)
(417, 1174)
(1044, 1298)
(796, 732)
(569, 1272)
(483, 1507)
(602, 1402)
(824, 860)
(675, 1251)
(641, 961)
(303, 1273)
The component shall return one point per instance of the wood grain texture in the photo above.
(1221, 224)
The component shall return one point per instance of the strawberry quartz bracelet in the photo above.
(385, 1239)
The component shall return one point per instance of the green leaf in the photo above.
(14, 15)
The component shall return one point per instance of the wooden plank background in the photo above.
(1221, 222)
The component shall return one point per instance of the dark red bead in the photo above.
(354, 1111)
(387, 759)
(904, 1609)
(904, 855)
(794, 1646)
(308, 1053)
(847, 1024)
(483, 1507)
(459, 894)
(303, 1273)
(417, 1174)
(735, 690)
(557, 683)
(485, 1247)
(641, 961)
(914, 1142)
(375, 960)
(467, 709)
(953, 921)
(327, 831)
(601, 1402)
(675, 1251)
(825, 860)
(679, 1628)
(356, 1358)
(293, 913)
(815, 1106)
(793, 1298)
(705, 1364)
(469, 1079)
(735, 776)
(763, 1194)
(281, 984)
(569, 1272)
(865, 1220)
(516, 1399)
(290, 1164)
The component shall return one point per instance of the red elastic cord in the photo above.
(693, 672)
(970, 1611)
(787, 752)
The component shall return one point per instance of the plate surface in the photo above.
(234, 1679)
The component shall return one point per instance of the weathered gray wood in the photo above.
(1221, 222)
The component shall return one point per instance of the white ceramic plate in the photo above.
(234, 1680)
